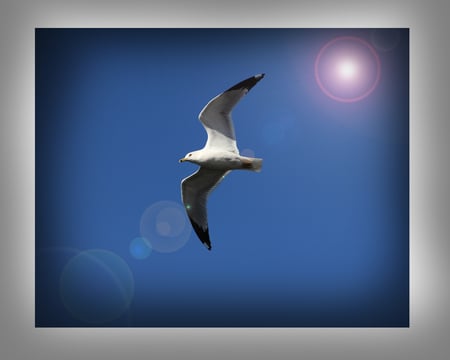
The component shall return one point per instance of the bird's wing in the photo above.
(194, 192)
(216, 115)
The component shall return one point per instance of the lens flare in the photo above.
(347, 69)
(140, 248)
(96, 286)
(165, 226)
(248, 152)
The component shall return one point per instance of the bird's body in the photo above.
(223, 160)
(219, 156)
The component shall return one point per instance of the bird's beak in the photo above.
(182, 160)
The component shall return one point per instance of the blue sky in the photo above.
(318, 238)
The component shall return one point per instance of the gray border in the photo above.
(427, 338)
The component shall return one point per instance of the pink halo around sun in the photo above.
(347, 69)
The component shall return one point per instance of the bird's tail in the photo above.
(253, 164)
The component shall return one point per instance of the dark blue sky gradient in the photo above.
(319, 238)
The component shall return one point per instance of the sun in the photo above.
(347, 69)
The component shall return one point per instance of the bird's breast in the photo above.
(222, 161)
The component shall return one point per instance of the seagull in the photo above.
(218, 157)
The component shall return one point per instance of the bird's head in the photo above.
(192, 157)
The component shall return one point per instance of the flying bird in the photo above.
(218, 157)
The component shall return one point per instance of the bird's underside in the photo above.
(219, 156)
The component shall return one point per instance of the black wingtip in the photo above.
(247, 83)
(207, 243)
(203, 235)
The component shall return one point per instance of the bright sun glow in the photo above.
(347, 69)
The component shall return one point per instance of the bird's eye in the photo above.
(189, 155)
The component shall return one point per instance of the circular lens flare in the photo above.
(164, 225)
(140, 248)
(96, 286)
(347, 69)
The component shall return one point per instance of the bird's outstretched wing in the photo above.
(194, 192)
(216, 115)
